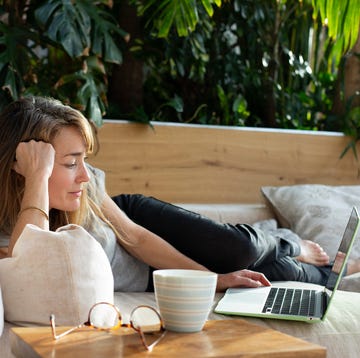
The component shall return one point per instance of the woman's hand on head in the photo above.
(34, 158)
(242, 278)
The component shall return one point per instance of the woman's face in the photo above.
(69, 175)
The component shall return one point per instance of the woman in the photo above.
(45, 181)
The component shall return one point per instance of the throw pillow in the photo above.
(315, 212)
(63, 272)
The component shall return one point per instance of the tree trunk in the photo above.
(125, 84)
(351, 80)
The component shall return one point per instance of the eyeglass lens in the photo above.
(104, 316)
(146, 319)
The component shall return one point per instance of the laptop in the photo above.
(290, 300)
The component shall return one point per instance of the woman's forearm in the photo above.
(35, 162)
(35, 196)
(145, 245)
(158, 253)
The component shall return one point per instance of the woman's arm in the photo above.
(145, 245)
(34, 161)
(156, 252)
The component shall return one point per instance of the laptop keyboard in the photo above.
(290, 301)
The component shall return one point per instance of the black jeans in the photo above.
(220, 247)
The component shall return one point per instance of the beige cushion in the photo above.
(63, 272)
(318, 213)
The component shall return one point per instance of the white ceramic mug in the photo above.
(184, 298)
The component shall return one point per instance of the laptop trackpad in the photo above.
(244, 299)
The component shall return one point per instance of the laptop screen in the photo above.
(343, 251)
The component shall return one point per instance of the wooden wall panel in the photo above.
(210, 164)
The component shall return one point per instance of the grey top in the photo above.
(130, 274)
(4, 240)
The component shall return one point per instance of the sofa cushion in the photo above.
(231, 213)
(318, 213)
(63, 272)
(315, 212)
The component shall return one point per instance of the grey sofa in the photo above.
(339, 333)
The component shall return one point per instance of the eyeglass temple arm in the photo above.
(53, 328)
(152, 345)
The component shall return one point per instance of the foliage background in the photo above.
(244, 62)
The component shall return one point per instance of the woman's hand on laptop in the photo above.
(242, 278)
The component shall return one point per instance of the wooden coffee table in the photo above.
(219, 338)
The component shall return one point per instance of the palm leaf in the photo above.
(182, 14)
(343, 19)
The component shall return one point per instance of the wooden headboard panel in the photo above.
(213, 164)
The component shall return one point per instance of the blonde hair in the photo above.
(41, 119)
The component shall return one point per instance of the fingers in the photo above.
(242, 278)
(34, 157)
(248, 278)
(257, 277)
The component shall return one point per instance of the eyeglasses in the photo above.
(105, 316)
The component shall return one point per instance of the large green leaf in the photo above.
(89, 89)
(66, 23)
(11, 83)
(15, 57)
(105, 31)
(81, 27)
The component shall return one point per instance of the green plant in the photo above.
(69, 49)
(59, 48)
(240, 67)
(255, 63)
